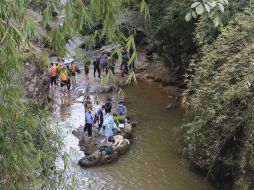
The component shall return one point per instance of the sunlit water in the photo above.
(152, 161)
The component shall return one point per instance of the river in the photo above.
(152, 161)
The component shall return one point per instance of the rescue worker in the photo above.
(53, 74)
(74, 69)
(64, 79)
(59, 65)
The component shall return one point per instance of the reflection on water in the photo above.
(151, 163)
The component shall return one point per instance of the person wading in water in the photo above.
(64, 80)
(74, 69)
(69, 79)
(53, 73)
(59, 66)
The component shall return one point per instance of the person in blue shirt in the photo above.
(108, 125)
(89, 122)
(122, 109)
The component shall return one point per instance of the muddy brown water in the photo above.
(152, 161)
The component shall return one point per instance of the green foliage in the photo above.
(219, 117)
(29, 145)
(170, 29)
(205, 30)
(211, 9)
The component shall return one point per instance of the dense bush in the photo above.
(218, 127)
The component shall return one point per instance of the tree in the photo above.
(171, 30)
(217, 130)
(28, 144)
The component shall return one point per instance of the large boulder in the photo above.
(94, 151)
(99, 157)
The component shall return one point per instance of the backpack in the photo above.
(107, 149)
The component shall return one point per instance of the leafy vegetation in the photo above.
(208, 8)
(26, 139)
(218, 127)
(170, 35)
(217, 130)
(29, 145)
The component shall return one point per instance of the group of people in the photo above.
(102, 117)
(66, 75)
(105, 62)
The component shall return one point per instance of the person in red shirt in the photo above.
(53, 74)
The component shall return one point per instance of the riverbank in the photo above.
(156, 72)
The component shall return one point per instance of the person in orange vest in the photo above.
(74, 69)
(64, 78)
(59, 65)
(53, 74)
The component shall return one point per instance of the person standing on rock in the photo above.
(96, 67)
(104, 62)
(89, 122)
(99, 114)
(125, 62)
(88, 103)
(123, 51)
(108, 104)
(53, 75)
(132, 65)
(86, 68)
(112, 63)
